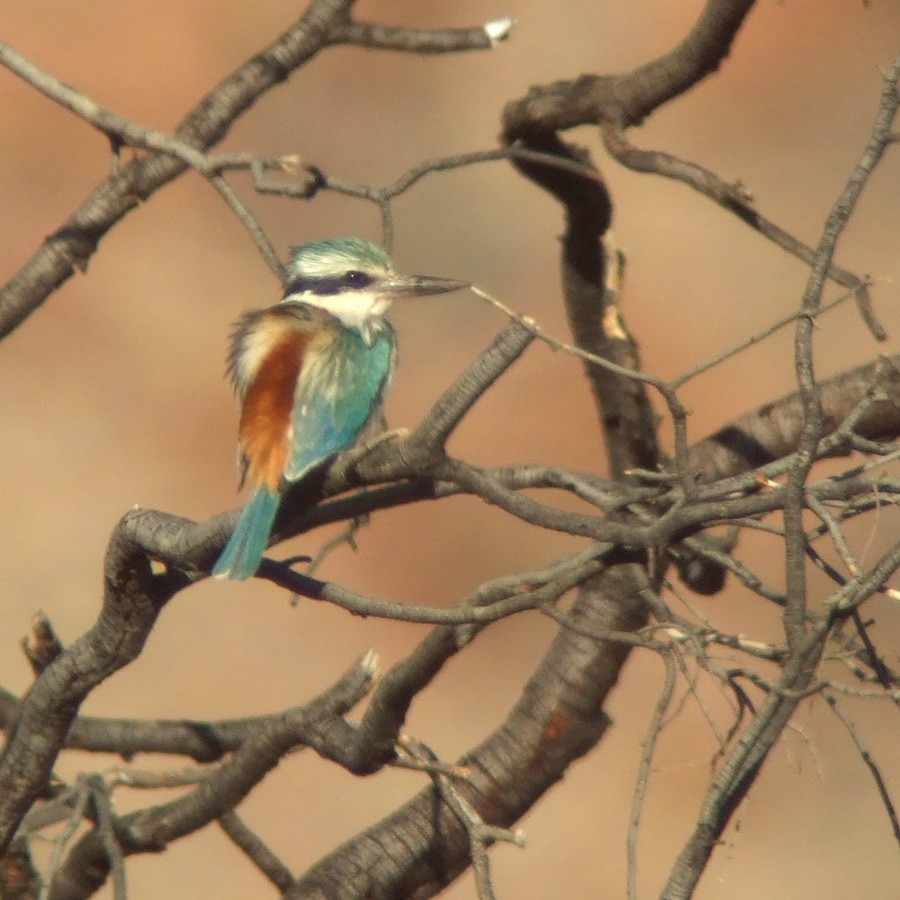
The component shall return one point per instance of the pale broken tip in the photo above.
(498, 30)
(370, 663)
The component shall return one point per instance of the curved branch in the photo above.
(629, 98)
(131, 604)
(70, 247)
(617, 102)
(558, 718)
(149, 830)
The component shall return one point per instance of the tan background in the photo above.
(112, 395)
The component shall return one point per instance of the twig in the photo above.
(226, 785)
(318, 180)
(431, 766)
(643, 774)
(412, 40)
(676, 409)
(736, 199)
(509, 602)
(869, 761)
(81, 795)
(861, 586)
(699, 653)
(838, 539)
(258, 852)
(144, 779)
(105, 827)
(41, 646)
(346, 536)
(754, 339)
(480, 834)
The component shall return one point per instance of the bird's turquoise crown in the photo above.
(345, 262)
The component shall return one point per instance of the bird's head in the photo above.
(354, 280)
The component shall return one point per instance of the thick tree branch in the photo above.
(772, 432)
(130, 606)
(617, 102)
(631, 97)
(149, 830)
(71, 246)
(558, 718)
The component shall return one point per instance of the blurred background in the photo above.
(113, 395)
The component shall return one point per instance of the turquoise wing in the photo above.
(337, 395)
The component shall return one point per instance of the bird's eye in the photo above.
(357, 279)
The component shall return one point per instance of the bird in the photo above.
(310, 375)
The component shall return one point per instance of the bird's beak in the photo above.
(401, 287)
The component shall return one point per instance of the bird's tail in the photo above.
(242, 554)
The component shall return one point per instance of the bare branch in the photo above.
(410, 40)
(869, 761)
(643, 777)
(323, 24)
(806, 645)
(631, 97)
(256, 850)
(736, 199)
(148, 830)
(42, 645)
(130, 608)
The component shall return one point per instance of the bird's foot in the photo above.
(364, 448)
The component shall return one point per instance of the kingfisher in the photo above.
(310, 374)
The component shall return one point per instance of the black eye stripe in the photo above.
(321, 286)
(328, 285)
